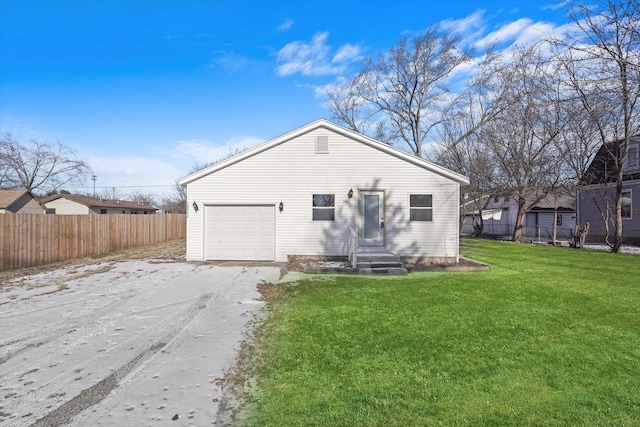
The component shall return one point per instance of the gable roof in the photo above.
(322, 123)
(602, 168)
(9, 197)
(550, 202)
(565, 202)
(93, 202)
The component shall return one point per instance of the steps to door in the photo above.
(380, 263)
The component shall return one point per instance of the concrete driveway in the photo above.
(122, 343)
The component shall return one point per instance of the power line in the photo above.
(126, 186)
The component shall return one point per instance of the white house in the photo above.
(316, 191)
(78, 204)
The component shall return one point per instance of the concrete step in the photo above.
(379, 257)
(380, 263)
(390, 271)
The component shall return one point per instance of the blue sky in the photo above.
(144, 89)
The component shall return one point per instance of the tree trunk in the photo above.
(517, 230)
(617, 241)
(555, 224)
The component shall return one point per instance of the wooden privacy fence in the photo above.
(28, 239)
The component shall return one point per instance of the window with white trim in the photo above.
(324, 206)
(627, 204)
(420, 207)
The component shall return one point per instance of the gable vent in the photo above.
(322, 144)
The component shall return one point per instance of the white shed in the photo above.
(311, 191)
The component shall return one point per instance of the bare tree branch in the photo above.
(38, 166)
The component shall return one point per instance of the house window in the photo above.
(103, 211)
(421, 207)
(633, 161)
(322, 144)
(558, 219)
(324, 206)
(626, 204)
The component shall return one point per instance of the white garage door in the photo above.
(240, 232)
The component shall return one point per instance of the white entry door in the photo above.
(372, 231)
(239, 232)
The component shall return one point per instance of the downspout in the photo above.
(457, 227)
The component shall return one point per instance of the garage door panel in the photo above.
(241, 233)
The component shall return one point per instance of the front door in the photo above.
(372, 218)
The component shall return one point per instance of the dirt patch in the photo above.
(462, 265)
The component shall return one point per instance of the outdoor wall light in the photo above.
(350, 193)
(195, 206)
(281, 206)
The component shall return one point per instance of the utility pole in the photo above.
(94, 178)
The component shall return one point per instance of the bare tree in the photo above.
(471, 157)
(602, 62)
(112, 193)
(523, 137)
(462, 146)
(481, 101)
(402, 94)
(140, 197)
(39, 166)
(176, 202)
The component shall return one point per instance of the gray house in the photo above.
(597, 191)
(500, 212)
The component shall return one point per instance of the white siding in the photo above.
(67, 207)
(292, 172)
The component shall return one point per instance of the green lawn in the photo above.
(548, 336)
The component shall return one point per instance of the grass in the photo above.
(548, 336)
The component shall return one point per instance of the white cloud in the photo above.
(314, 58)
(285, 26)
(203, 151)
(128, 174)
(470, 28)
(229, 61)
(556, 6)
(535, 32)
(158, 175)
(346, 53)
(505, 34)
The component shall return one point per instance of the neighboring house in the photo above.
(500, 213)
(599, 184)
(76, 204)
(19, 201)
(317, 190)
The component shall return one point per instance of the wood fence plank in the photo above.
(32, 239)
